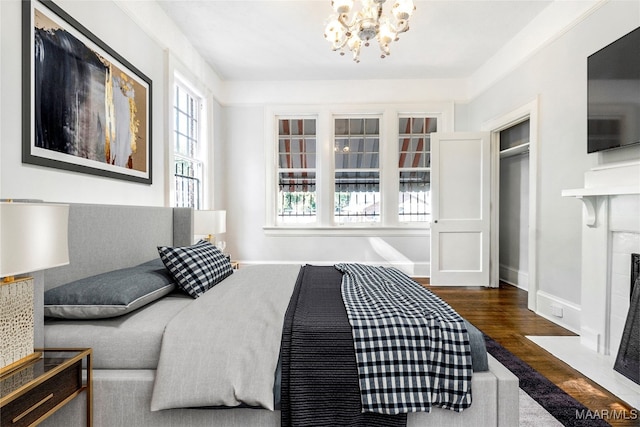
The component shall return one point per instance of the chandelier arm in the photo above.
(340, 44)
(343, 20)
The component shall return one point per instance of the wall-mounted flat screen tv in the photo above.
(613, 75)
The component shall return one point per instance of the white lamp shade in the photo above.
(33, 237)
(209, 222)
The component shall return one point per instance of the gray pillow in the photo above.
(109, 294)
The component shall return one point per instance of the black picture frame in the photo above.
(85, 108)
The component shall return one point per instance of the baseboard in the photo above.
(413, 269)
(590, 339)
(514, 277)
(558, 311)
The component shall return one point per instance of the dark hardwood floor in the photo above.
(502, 314)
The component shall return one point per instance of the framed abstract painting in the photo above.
(85, 108)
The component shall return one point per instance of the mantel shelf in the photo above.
(600, 191)
(588, 196)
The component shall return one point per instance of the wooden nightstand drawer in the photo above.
(45, 396)
(34, 391)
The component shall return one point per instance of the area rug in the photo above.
(568, 411)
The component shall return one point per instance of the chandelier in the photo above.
(351, 32)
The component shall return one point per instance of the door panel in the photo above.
(460, 175)
(456, 177)
(466, 246)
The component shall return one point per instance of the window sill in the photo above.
(348, 231)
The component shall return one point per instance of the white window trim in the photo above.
(389, 185)
(409, 169)
(178, 72)
(276, 165)
(380, 168)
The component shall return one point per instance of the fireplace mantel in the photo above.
(589, 197)
(603, 185)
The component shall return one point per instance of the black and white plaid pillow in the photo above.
(196, 268)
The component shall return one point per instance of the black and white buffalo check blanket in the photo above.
(412, 348)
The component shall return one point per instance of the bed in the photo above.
(145, 372)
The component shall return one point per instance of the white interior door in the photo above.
(460, 203)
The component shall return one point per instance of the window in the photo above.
(364, 170)
(357, 170)
(414, 166)
(296, 171)
(187, 150)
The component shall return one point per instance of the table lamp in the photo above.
(209, 223)
(33, 237)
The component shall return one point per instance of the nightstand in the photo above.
(31, 393)
(234, 264)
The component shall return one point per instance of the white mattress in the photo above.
(131, 341)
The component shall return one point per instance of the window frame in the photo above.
(389, 224)
(414, 168)
(349, 116)
(294, 170)
(202, 156)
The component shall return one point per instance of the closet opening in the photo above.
(514, 204)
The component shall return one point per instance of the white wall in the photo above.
(557, 75)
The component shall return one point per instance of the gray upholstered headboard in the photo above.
(108, 237)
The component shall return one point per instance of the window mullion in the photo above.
(389, 186)
(325, 170)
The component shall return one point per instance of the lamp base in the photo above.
(19, 363)
(16, 321)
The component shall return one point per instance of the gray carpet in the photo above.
(534, 415)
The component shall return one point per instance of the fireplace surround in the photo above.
(610, 233)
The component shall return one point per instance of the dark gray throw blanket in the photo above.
(319, 373)
(412, 348)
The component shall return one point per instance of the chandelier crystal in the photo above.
(345, 31)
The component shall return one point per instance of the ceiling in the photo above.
(283, 40)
